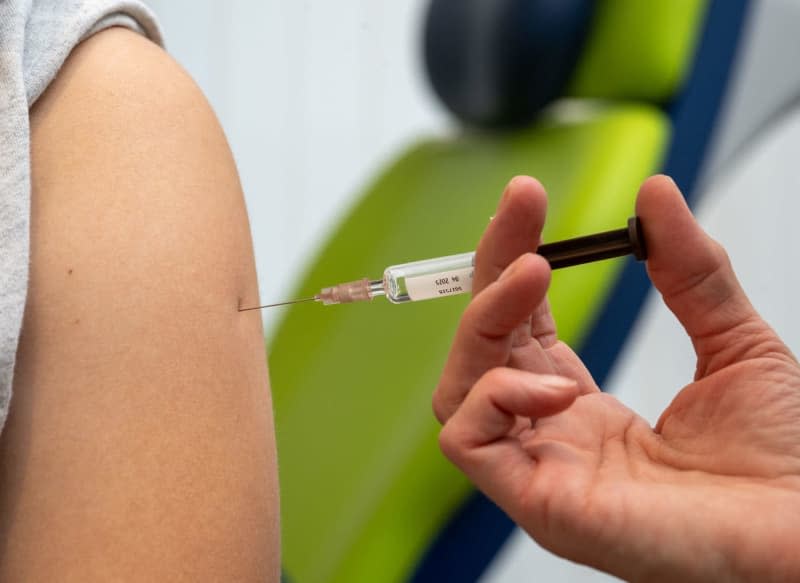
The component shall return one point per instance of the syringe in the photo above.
(452, 275)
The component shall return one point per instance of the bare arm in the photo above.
(140, 444)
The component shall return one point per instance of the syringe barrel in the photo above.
(429, 278)
(452, 274)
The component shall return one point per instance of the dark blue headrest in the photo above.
(496, 63)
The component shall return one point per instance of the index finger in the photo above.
(515, 229)
(483, 337)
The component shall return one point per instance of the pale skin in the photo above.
(711, 493)
(140, 442)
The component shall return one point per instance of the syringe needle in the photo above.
(279, 304)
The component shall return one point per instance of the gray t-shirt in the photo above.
(36, 36)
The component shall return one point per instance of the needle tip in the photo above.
(278, 304)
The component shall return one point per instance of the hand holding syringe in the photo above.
(452, 275)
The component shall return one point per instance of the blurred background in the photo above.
(314, 97)
(344, 150)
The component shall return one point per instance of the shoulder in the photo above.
(141, 163)
(122, 68)
(141, 423)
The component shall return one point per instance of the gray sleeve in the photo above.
(36, 37)
(54, 27)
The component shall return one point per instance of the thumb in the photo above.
(695, 278)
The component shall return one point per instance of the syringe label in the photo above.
(446, 283)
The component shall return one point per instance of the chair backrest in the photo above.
(498, 63)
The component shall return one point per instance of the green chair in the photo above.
(364, 487)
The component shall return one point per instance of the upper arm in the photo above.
(140, 441)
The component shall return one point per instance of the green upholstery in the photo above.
(639, 49)
(364, 487)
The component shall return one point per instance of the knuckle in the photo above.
(448, 442)
(440, 411)
(444, 407)
(720, 254)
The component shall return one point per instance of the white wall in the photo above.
(315, 97)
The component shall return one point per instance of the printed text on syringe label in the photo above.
(445, 283)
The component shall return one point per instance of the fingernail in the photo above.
(506, 272)
(502, 203)
(555, 382)
(507, 192)
(672, 180)
(509, 271)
